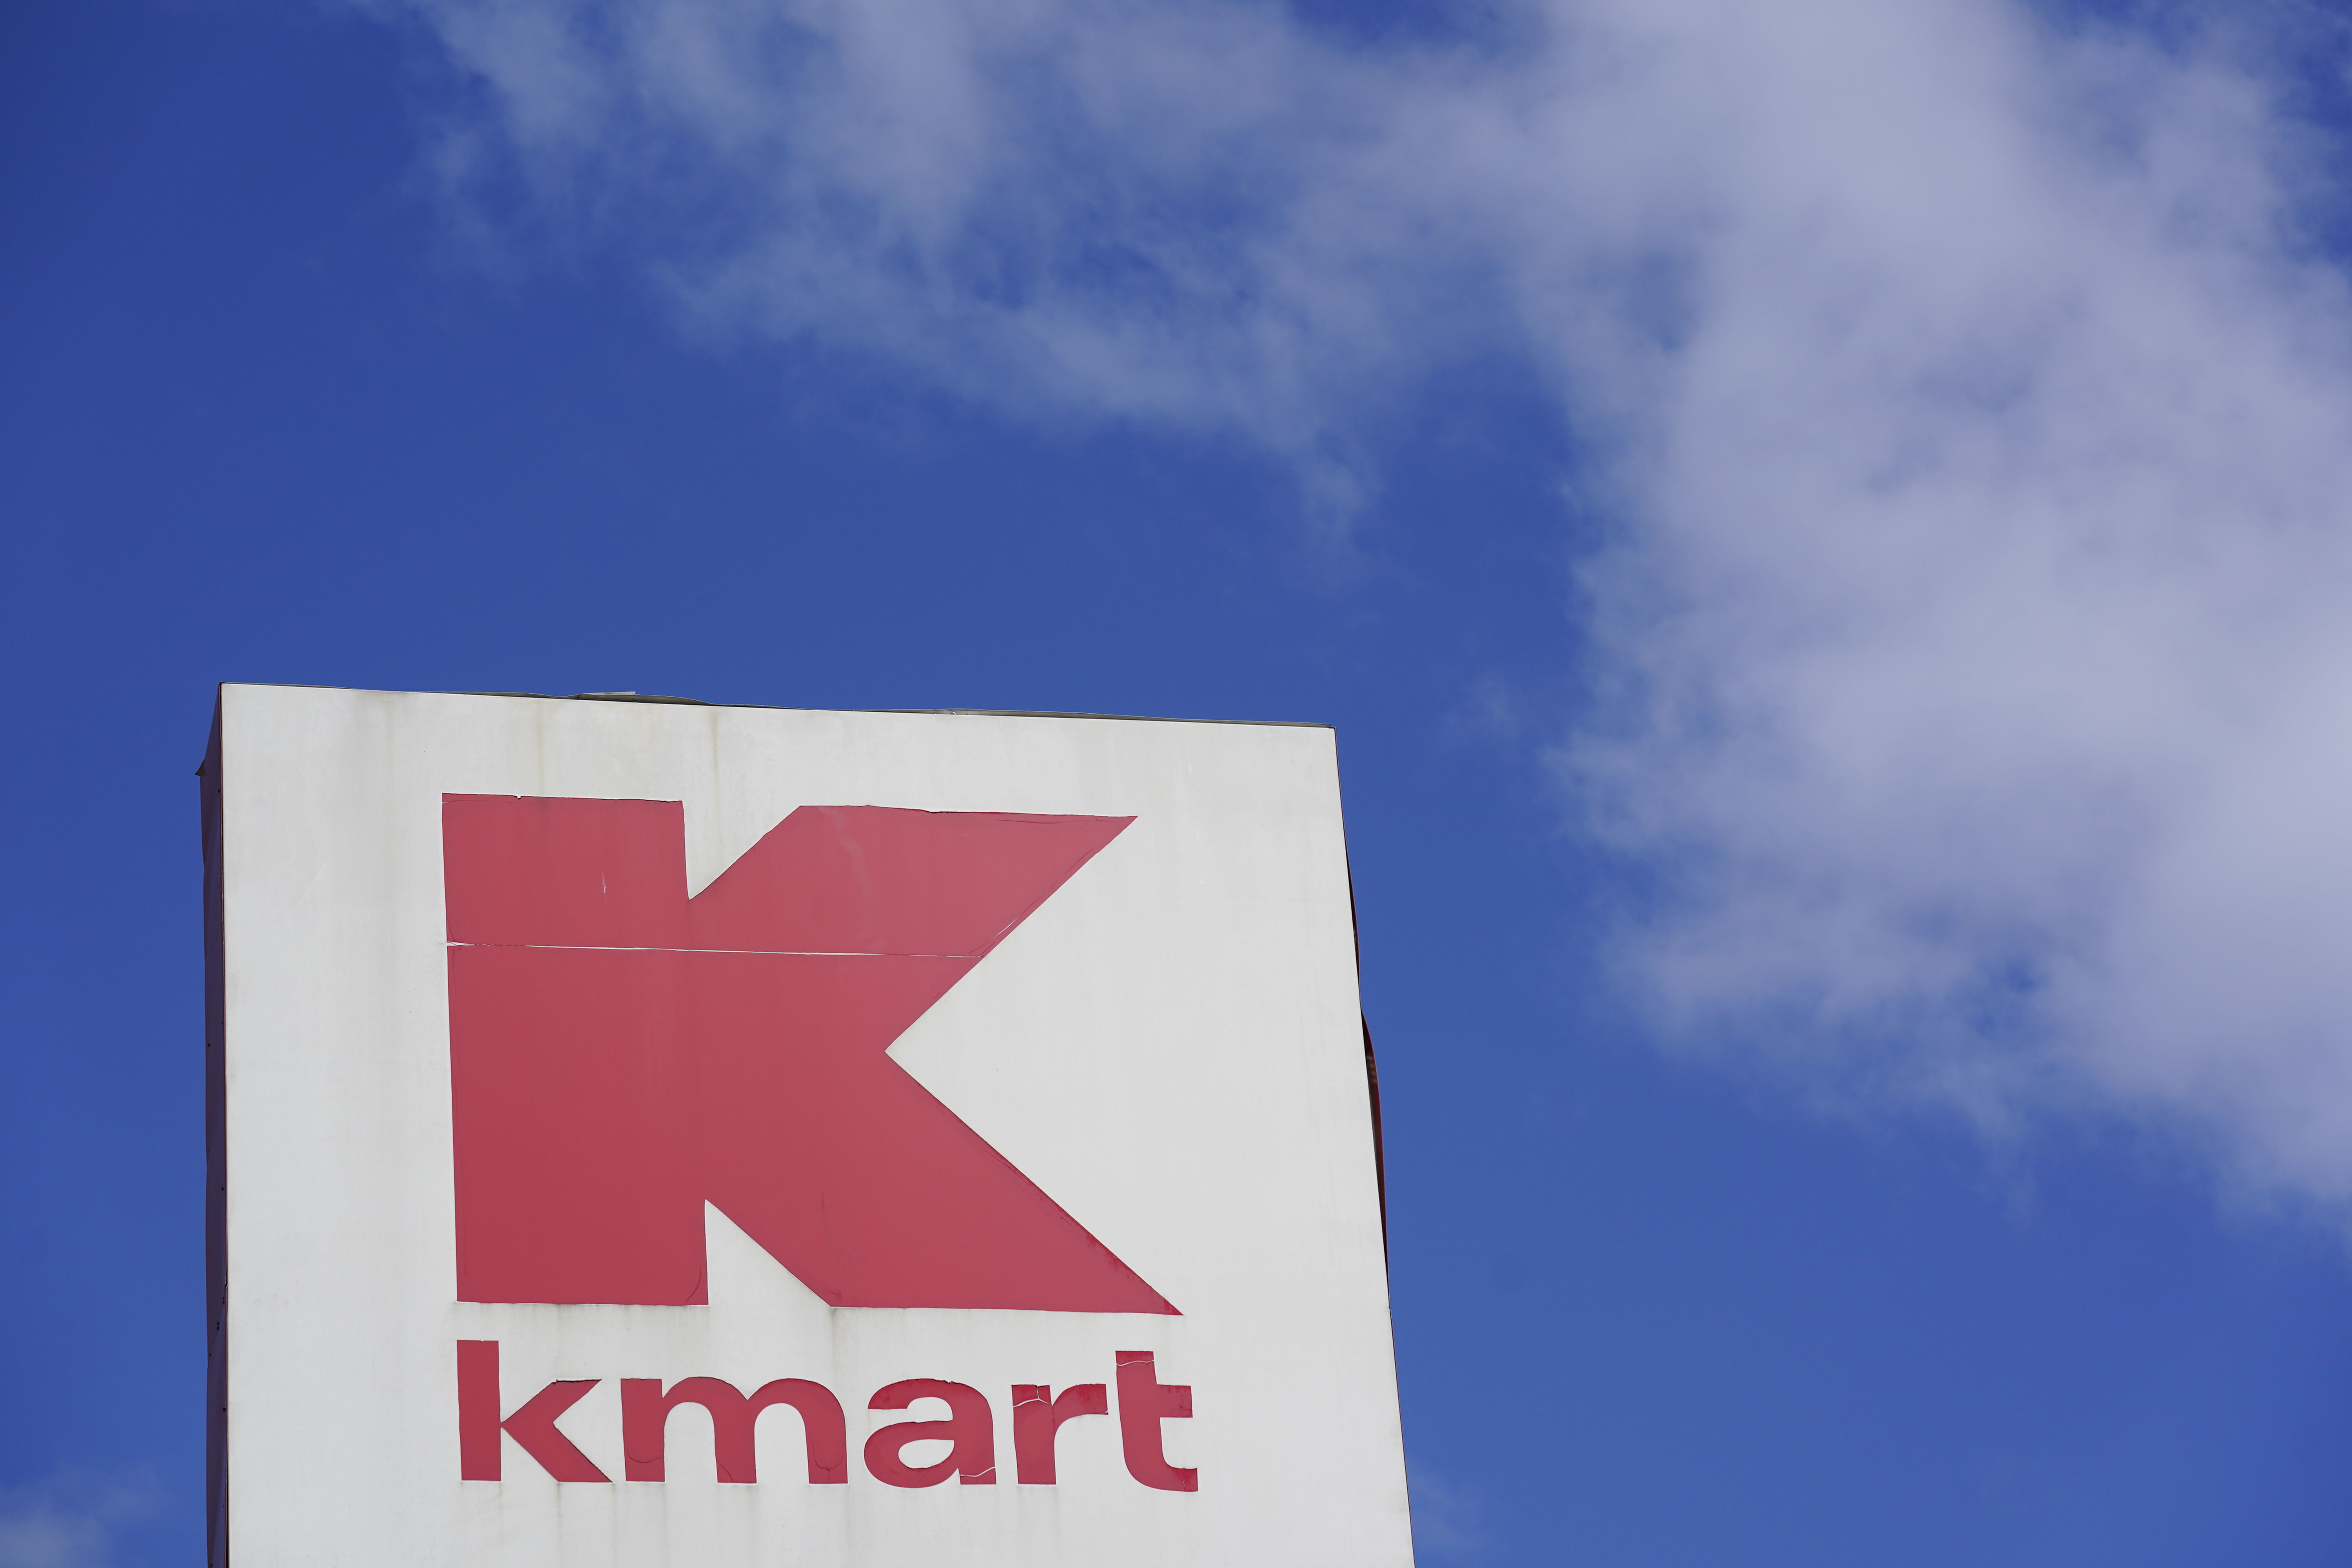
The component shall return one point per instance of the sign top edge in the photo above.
(651, 699)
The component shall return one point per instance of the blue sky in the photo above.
(1821, 530)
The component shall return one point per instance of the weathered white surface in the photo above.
(1169, 1047)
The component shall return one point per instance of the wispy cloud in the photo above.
(1448, 1517)
(69, 1522)
(1975, 415)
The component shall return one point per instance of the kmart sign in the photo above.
(659, 1134)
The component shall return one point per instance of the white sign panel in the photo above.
(651, 1133)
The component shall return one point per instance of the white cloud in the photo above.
(1976, 426)
(68, 1522)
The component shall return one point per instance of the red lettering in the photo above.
(970, 1426)
(1143, 1403)
(1037, 1415)
(478, 1410)
(644, 1425)
(479, 1452)
(969, 1430)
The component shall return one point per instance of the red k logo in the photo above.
(621, 1054)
